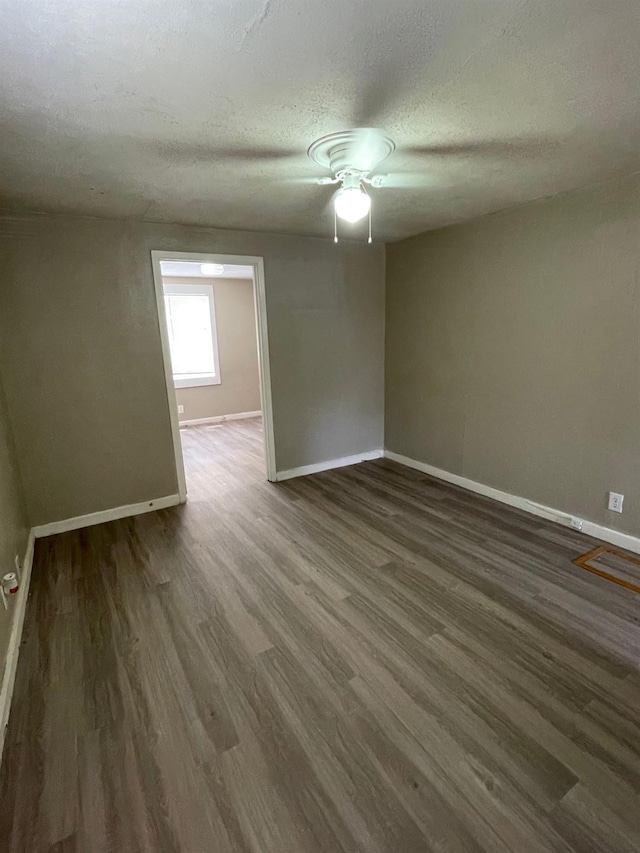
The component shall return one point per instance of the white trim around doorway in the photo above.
(260, 297)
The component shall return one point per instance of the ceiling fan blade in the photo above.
(383, 89)
(406, 180)
(319, 204)
(484, 148)
(367, 148)
(207, 153)
(318, 182)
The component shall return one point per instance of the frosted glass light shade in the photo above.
(352, 204)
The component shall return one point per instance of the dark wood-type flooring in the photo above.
(364, 660)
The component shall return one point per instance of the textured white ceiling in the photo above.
(199, 111)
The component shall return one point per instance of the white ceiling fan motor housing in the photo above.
(351, 152)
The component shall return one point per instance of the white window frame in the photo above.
(194, 380)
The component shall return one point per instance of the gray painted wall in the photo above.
(85, 383)
(239, 390)
(513, 351)
(14, 530)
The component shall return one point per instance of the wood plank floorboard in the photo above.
(365, 660)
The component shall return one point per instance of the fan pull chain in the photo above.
(369, 240)
(335, 226)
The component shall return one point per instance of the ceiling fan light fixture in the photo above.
(352, 203)
(212, 269)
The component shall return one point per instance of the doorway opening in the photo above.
(213, 326)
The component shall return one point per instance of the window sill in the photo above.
(196, 380)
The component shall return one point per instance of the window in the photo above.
(191, 323)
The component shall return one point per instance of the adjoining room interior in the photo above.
(386, 598)
(214, 354)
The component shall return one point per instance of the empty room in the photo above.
(320, 426)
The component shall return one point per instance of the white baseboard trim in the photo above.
(590, 528)
(19, 607)
(114, 514)
(326, 466)
(220, 419)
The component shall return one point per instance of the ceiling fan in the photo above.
(352, 157)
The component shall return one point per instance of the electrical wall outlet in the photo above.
(576, 523)
(615, 502)
(181, 410)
